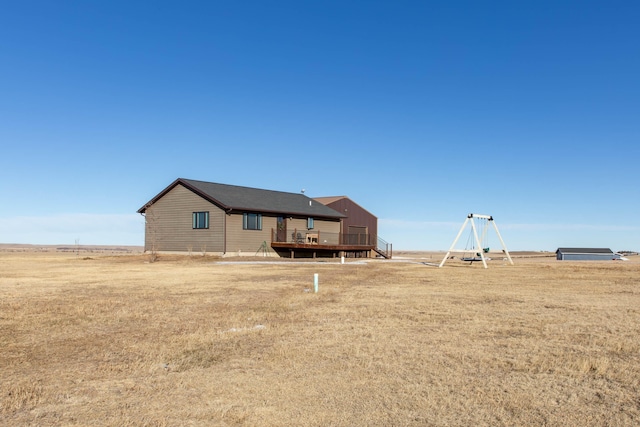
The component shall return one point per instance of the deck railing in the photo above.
(384, 248)
(317, 237)
(310, 238)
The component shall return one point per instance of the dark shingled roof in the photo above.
(585, 250)
(236, 198)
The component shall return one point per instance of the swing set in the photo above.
(476, 247)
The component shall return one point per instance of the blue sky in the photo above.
(420, 111)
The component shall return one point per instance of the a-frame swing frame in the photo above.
(470, 219)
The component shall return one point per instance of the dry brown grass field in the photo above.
(107, 340)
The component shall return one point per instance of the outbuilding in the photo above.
(358, 226)
(585, 254)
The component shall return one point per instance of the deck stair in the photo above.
(383, 248)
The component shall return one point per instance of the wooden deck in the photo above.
(313, 250)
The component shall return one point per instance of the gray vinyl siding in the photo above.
(331, 230)
(584, 257)
(169, 224)
(248, 240)
(318, 225)
(328, 230)
(299, 225)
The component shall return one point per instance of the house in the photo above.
(191, 215)
(585, 254)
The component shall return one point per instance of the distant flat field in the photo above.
(102, 340)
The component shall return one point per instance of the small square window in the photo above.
(252, 221)
(200, 220)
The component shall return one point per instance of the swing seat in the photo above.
(472, 259)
